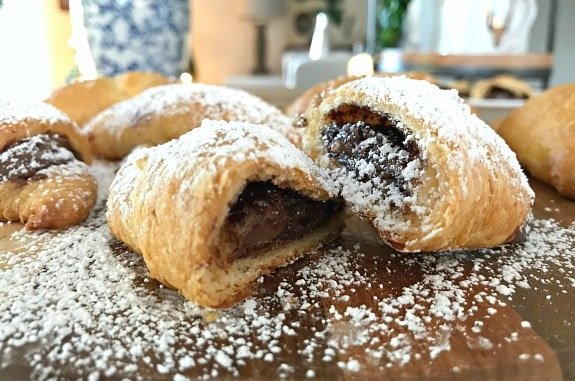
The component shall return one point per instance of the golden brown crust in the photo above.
(57, 202)
(166, 112)
(83, 100)
(542, 134)
(467, 189)
(170, 203)
(518, 88)
(63, 193)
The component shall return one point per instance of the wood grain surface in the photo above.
(481, 346)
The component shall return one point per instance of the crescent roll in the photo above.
(542, 133)
(501, 86)
(83, 100)
(165, 112)
(45, 182)
(413, 161)
(219, 207)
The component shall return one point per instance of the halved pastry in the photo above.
(165, 112)
(81, 101)
(412, 160)
(219, 207)
(44, 180)
(502, 87)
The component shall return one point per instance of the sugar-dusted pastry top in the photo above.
(447, 115)
(15, 112)
(219, 142)
(402, 149)
(22, 120)
(166, 112)
(232, 103)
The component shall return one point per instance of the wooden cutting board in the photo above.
(356, 310)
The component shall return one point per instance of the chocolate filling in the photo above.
(501, 93)
(370, 145)
(21, 161)
(265, 217)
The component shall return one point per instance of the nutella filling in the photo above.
(501, 93)
(24, 160)
(371, 146)
(265, 217)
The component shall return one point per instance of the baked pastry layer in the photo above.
(45, 182)
(217, 208)
(166, 112)
(412, 160)
(542, 133)
(502, 87)
(81, 101)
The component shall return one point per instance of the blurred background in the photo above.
(277, 48)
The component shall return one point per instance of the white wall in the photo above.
(564, 70)
(564, 51)
(25, 68)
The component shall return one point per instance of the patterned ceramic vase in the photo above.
(148, 35)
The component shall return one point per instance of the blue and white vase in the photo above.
(128, 35)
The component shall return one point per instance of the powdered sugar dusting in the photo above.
(450, 116)
(222, 103)
(16, 112)
(76, 303)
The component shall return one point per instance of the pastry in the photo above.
(165, 112)
(502, 86)
(217, 208)
(82, 100)
(45, 182)
(542, 133)
(412, 160)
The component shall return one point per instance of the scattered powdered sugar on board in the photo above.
(78, 304)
